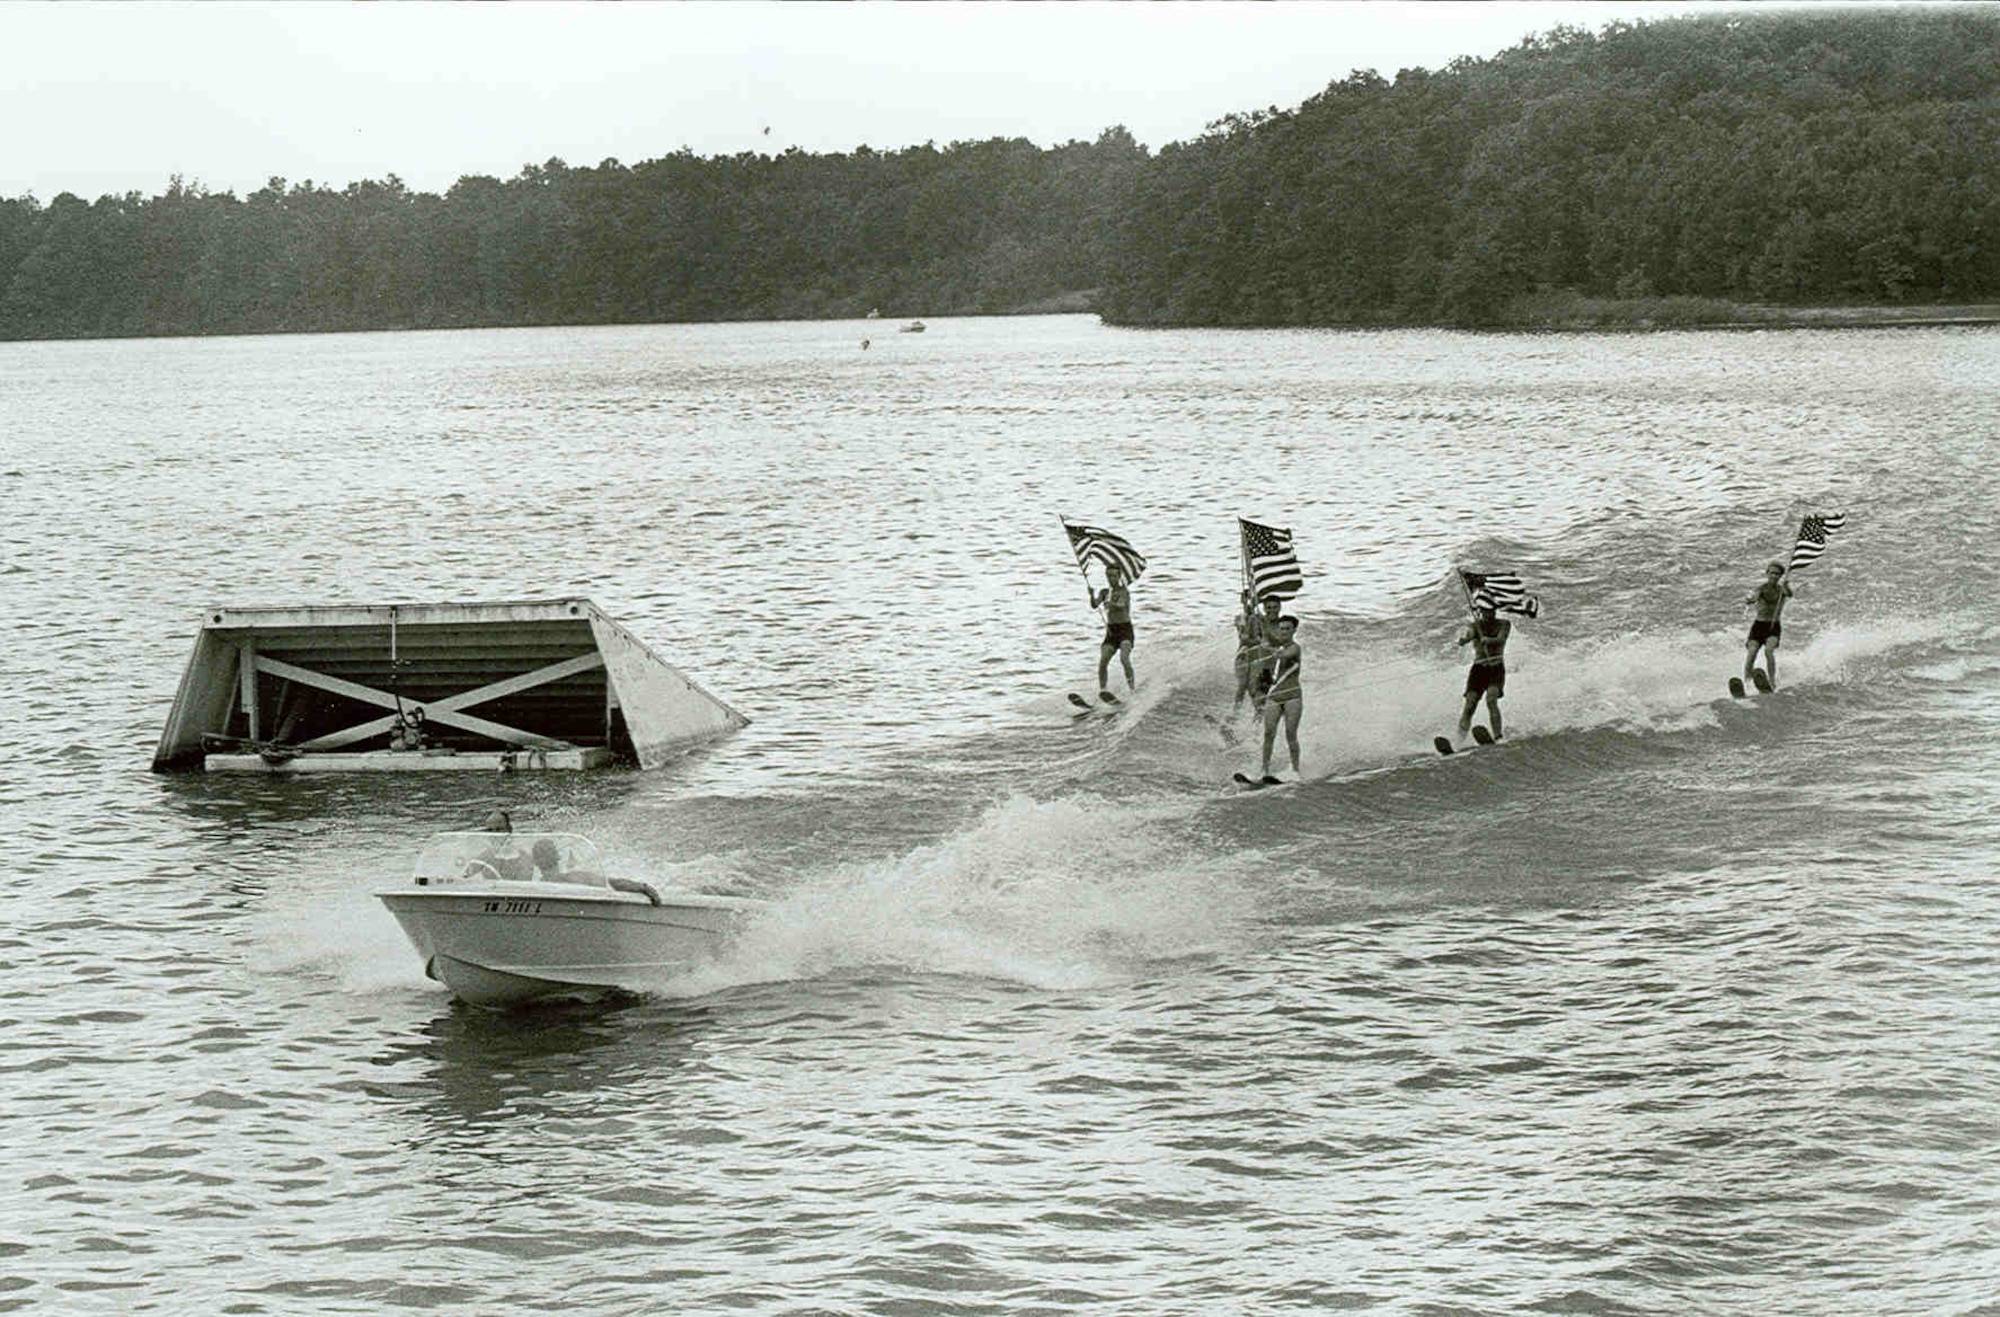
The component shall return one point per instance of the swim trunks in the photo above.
(1485, 677)
(1118, 633)
(1763, 631)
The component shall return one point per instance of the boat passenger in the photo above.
(552, 866)
(636, 887)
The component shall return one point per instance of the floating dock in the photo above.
(555, 684)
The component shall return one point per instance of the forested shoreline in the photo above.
(1790, 158)
(1682, 167)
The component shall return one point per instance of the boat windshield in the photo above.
(524, 857)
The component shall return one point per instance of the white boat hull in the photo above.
(507, 943)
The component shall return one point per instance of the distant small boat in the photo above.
(914, 327)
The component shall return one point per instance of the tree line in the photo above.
(975, 227)
(1794, 157)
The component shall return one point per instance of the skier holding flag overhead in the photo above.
(1489, 595)
(1488, 675)
(1116, 601)
(1122, 564)
(1270, 666)
(1284, 693)
(1769, 601)
(1270, 576)
(1255, 634)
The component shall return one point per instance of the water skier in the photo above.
(1249, 640)
(1285, 699)
(1116, 601)
(1769, 600)
(1488, 676)
(1246, 638)
(1257, 636)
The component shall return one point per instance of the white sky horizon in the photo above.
(115, 98)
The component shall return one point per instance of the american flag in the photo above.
(1268, 556)
(1813, 532)
(1091, 544)
(1506, 590)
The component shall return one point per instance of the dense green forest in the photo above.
(1792, 158)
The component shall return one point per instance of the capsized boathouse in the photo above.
(536, 684)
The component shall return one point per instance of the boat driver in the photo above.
(503, 858)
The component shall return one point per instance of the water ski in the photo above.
(1762, 682)
(1736, 687)
(1107, 704)
(1479, 734)
(1257, 784)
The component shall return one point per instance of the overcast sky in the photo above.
(98, 98)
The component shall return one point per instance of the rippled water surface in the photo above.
(1670, 1004)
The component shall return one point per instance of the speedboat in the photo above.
(914, 327)
(510, 917)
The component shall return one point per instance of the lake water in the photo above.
(1670, 1004)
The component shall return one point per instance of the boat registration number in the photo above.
(513, 907)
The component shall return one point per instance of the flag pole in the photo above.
(1243, 561)
(1254, 636)
(1088, 594)
(1466, 586)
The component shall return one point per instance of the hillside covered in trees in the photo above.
(977, 227)
(1795, 158)
(1792, 157)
